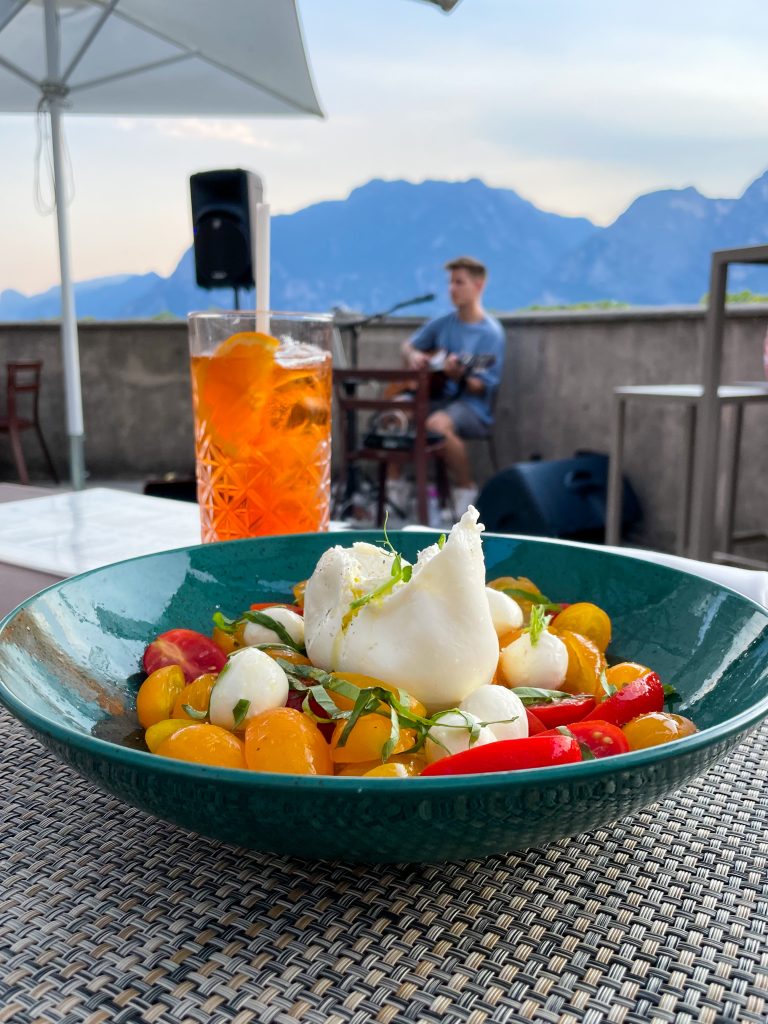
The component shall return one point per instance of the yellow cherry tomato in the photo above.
(363, 682)
(585, 665)
(587, 620)
(204, 744)
(197, 695)
(160, 731)
(285, 740)
(226, 642)
(655, 728)
(517, 583)
(625, 672)
(158, 693)
(366, 740)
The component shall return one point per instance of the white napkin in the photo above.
(751, 583)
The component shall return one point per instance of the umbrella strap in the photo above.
(45, 202)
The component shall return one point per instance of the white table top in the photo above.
(68, 533)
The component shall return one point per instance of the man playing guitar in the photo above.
(470, 339)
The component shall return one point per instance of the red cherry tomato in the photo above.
(563, 712)
(639, 697)
(603, 738)
(509, 755)
(194, 653)
(535, 724)
(276, 604)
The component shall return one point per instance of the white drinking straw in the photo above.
(262, 267)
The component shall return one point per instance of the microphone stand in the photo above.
(354, 327)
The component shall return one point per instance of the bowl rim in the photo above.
(584, 771)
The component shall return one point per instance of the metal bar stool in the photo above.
(690, 396)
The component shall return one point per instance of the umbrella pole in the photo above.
(69, 344)
(69, 341)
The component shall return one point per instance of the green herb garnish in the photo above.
(608, 688)
(399, 573)
(239, 711)
(226, 625)
(441, 542)
(531, 696)
(586, 752)
(671, 697)
(538, 623)
(535, 599)
(199, 716)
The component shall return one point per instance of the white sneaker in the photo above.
(462, 498)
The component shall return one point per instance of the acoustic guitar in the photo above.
(438, 379)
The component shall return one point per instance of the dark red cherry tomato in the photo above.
(603, 738)
(639, 697)
(563, 712)
(509, 755)
(194, 653)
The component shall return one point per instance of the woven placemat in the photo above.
(108, 916)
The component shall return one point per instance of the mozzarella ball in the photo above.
(250, 675)
(542, 665)
(506, 613)
(451, 735)
(503, 712)
(293, 624)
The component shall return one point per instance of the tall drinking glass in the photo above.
(261, 391)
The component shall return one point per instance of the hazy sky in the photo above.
(579, 105)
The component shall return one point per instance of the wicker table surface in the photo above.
(108, 916)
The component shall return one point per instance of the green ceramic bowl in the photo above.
(69, 669)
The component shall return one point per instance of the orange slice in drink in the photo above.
(232, 388)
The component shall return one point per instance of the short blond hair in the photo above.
(472, 266)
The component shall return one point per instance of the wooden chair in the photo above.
(23, 385)
(413, 404)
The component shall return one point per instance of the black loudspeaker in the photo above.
(223, 219)
(562, 498)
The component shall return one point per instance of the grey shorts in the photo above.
(466, 422)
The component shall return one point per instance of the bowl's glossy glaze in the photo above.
(69, 669)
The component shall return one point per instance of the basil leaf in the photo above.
(199, 716)
(586, 752)
(394, 735)
(239, 711)
(671, 697)
(530, 695)
(535, 599)
(269, 623)
(226, 625)
(441, 542)
(608, 688)
(538, 624)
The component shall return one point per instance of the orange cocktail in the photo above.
(262, 436)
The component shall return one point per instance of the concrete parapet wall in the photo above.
(556, 395)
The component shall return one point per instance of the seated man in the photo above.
(465, 410)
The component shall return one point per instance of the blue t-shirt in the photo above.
(486, 337)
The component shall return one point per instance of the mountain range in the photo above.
(388, 240)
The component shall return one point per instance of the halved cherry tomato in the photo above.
(563, 712)
(637, 698)
(194, 653)
(508, 755)
(535, 724)
(603, 738)
(585, 665)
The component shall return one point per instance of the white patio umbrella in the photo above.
(150, 57)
